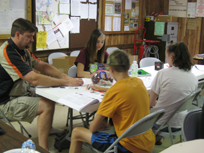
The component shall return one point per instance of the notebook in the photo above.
(142, 72)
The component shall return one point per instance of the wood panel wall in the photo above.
(193, 38)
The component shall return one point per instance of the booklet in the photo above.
(86, 102)
(142, 72)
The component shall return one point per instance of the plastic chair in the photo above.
(6, 120)
(187, 102)
(141, 126)
(55, 55)
(148, 61)
(75, 53)
(72, 71)
(111, 49)
(195, 101)
(190, 126)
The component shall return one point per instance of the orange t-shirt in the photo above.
(126, 102)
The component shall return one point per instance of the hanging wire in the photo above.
(151, 50)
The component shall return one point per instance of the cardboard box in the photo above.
(64, 63)
(166, 19)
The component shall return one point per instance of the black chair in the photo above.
(191, 124)
(187, 102)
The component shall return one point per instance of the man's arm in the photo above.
(39, 79)
(152, 98)
(50, 70)
(98, 122)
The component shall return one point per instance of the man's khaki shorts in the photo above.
(23, 108)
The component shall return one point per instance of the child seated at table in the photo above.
(93, 52)
(125, 102)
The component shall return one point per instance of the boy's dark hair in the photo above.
(91, 46)
(22, 25)
(181, 55)
(119, 61)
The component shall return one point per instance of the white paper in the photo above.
(63, 29)
(200, 8)
(126, 28)
(6, 25)
(76, 101)
(68, 23)
(137, 10)
(75, 7)
(84, 11)
(76, 23)
(116, 24)
(82, 0)
(191, 10)
(51, 37)
(56, 19)
(64, 8)
(128, 4)
(92, 1)
(64, 1)
(15, 4)
(147, 81)
(178, 8)
(92, 11)
(4, 5)
(108, 23)
(17, 13)
(59, 36)
(47, 27)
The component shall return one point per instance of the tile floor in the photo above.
(60, 117)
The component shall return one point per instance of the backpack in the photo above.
(61, 142)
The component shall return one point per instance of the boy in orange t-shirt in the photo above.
(126, 102)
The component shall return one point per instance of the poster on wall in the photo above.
(200, 8)
(178, 8)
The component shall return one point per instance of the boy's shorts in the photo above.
(101, 141)
(22, 108)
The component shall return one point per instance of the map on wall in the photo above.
(43, 5)
(45, 17)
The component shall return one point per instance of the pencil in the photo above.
(99, 91)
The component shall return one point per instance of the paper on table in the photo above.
(199, 67)
(147, 81)
(77, 101)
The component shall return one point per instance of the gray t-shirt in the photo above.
(172, 85)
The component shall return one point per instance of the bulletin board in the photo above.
(78, 36)
(48, 21)
(120, 16)
(11, 10)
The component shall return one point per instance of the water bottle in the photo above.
(28, 147)
(134, 69)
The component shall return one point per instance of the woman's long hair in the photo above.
(181, 55)
(91, 46)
